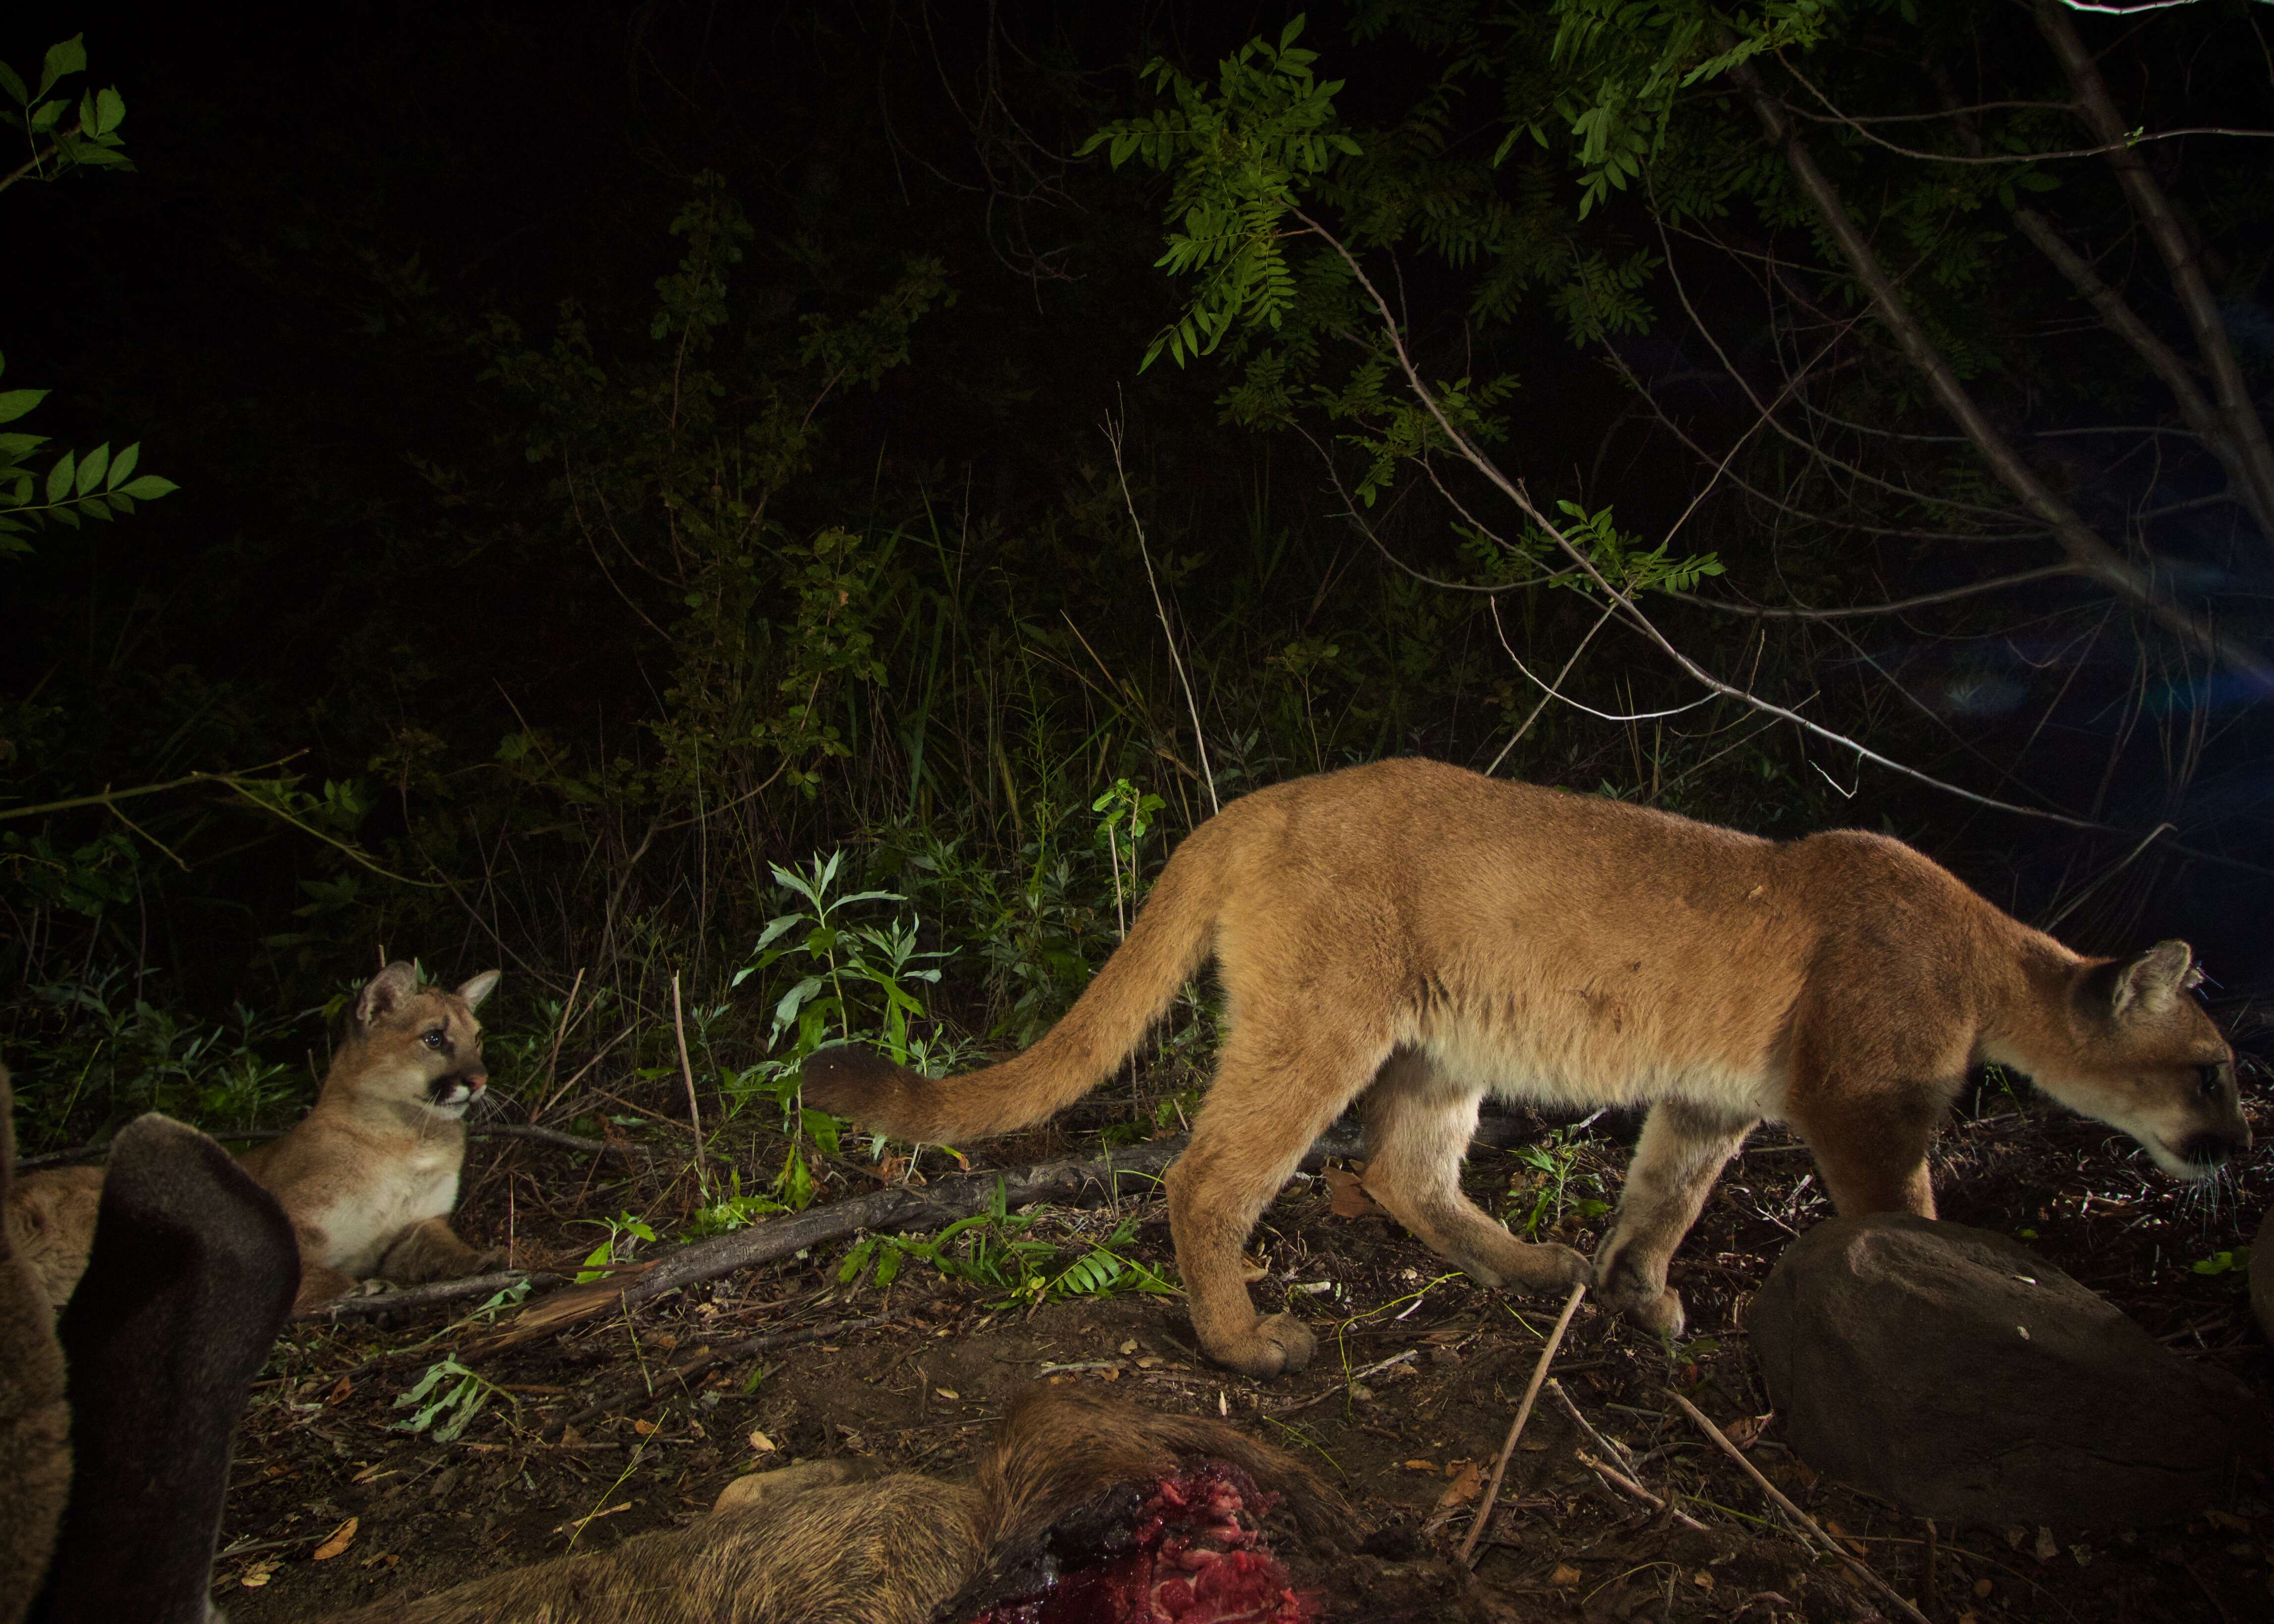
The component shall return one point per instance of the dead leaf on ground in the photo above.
(1565, 1575)
(1422, 1466)
(254, 1577)
(762, 1444)
(1702, 1579)
(1346, 1195)
(340, 1539)
(1465, 1480)
(2047, 1547)
(1745, 1431)
(1855, 1545)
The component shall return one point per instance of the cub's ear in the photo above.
(2153, 981)
(479, 987)
(387, 992)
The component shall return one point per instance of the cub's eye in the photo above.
(2208, 1079)
(432, 1039)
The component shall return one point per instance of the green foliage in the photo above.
(2235, 1261)
(95, 485)
(1539, 1197)
(996, 1251)
(89, 1055)
(1238, 156)
(854, 981)
(626, 1231)
(445, 1400)
(59, 142)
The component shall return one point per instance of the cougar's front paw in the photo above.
(1280, 1343)
(374, 1287)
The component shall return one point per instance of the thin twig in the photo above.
(1611, 1447)
(561, 1032)
(687, 1070)
(1523, 1414)
(1860, 1569)
(1618, 1479)
(1200, 741)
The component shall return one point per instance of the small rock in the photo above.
(1889, 1344)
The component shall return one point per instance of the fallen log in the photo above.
(902, 1209)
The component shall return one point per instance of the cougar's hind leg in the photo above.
(1418, 1127)
(1683, 1150)
(1280, 1082)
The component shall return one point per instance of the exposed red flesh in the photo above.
(1197, 1558)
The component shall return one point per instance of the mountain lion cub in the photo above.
(1412, 936)
(369, 1176)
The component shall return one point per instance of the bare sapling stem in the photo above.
(687, 1070)
(559, 1032)
(1523, 1414)
(1161, 608)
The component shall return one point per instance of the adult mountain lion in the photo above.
(1412, 936)
(369, 1176)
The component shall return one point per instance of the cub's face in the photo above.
(422, 1046)
(2146, 1058)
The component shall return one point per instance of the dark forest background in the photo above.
(649, 512)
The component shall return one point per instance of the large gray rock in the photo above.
(1957, 1374)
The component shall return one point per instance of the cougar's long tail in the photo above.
(1174, 933)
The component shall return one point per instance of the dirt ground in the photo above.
(1419, 1375)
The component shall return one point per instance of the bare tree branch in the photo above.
(2154, 208)
(2093, 555)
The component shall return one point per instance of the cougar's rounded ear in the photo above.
(387, 992)
(479, 987)
(2153, 981)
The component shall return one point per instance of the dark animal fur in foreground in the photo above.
(1069, 1482)
(190, 1274)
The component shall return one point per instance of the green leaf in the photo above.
(59, 479)
(12, 84)
(70, 57)
(91, 467)
(122, 466)
(15, 403)
(109, 111)
(149, 487)
(44, 116)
